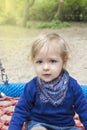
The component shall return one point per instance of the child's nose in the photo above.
(45, 66)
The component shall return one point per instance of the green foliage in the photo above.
(53, 24)
(75, 10)
(43, 10)
(46, 10)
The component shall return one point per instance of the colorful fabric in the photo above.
(54, 91)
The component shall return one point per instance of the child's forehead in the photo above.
(50, 45)
(49, 50)
(49, 54)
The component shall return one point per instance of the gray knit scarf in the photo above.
(53, 92)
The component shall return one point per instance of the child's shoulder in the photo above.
(31, 84)
(32, 81)
(30, 87)
(72, 80)
(73, 83)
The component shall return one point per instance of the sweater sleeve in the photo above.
(23, 108)
(80, 104)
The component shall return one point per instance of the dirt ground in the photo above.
(15, 43)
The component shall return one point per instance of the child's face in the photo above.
(48, 64)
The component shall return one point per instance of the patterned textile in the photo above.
(53, 92)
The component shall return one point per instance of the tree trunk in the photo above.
(59, 10)
(28, 5)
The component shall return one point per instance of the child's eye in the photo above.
(39, 62)
(53, 61)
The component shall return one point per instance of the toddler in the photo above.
(51, 99)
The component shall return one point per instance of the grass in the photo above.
(53, 24)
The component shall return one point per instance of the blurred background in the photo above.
(25, 12)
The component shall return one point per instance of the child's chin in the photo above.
(47, 80)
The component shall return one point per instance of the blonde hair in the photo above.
(48, 39)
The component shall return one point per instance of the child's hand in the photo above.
(78, 122)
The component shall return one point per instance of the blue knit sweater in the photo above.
(30, 107)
